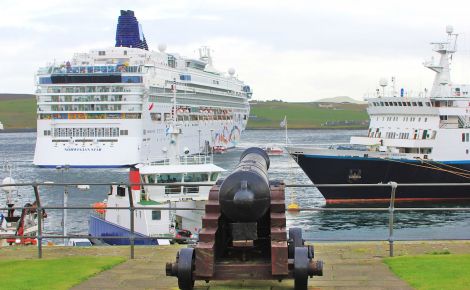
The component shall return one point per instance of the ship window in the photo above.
(47, 132)
(382, 104)
(101, 52)
(169, 178)
(151, 178)
(45, 80)
(131, 79)
(386, 104)
(466, 137)
(156, 215)
(214, 176)
(195, 177)
(156, 116)
(420, 104)
(425, 119)
(121, 191)
(463, 137)
(395, 103)
(414, 104)
(400, 104)
(125, 52)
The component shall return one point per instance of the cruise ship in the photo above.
(411, 139)
(114, 107)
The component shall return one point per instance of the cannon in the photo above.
(243, 235)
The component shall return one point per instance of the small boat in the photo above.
(219, 149)
(273, 150)
(1, 126)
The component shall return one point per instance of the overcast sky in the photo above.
(290, 50)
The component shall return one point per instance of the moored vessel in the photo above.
(274, 150)
(420, 138)
(113, 107)
(165, 188)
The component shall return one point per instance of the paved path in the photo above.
(347, 266)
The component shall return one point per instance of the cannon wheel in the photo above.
(185, 269)
(301, 262)
(295, 237)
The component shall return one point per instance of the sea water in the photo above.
(317, 225)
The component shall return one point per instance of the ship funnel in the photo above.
(129, 32)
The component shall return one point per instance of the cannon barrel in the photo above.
(244, 195)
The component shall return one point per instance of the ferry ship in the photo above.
(411, 139)
(113, 107)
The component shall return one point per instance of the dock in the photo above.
(347, 266)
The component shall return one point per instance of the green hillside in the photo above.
(307, 115)
(18, 113)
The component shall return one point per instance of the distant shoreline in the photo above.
(18, 130)
(310, 128)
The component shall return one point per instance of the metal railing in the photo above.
(132, 208)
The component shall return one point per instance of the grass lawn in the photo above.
(433, 271)
(60, 273)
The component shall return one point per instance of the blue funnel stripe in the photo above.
(128, 32)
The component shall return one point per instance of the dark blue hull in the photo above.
(323, 169)
(98, 227)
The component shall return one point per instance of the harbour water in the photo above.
(331, 225)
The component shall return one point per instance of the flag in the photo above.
(283, 123)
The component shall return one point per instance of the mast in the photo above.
(442, 78)
(174, 131)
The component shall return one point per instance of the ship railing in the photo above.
(186, 160)
(391, 209)
(97, 69)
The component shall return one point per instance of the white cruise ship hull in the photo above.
(126, 151)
